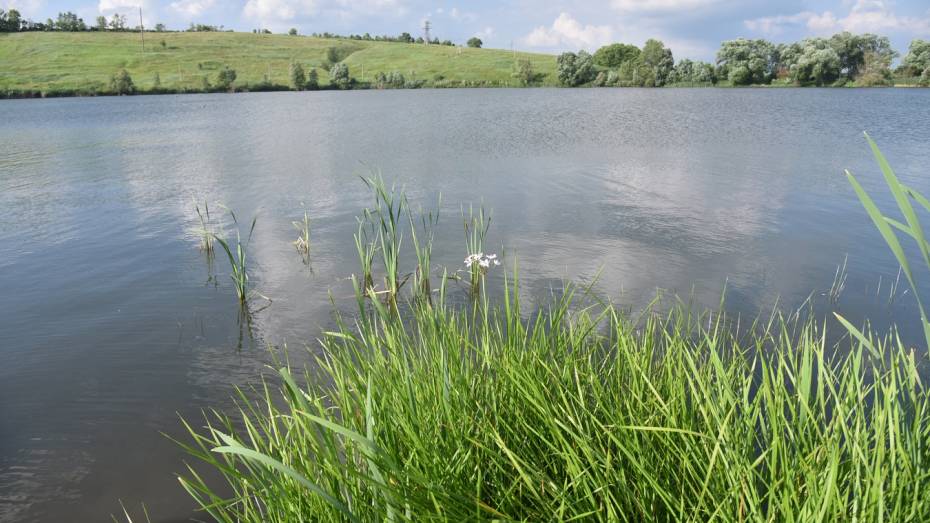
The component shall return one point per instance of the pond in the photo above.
(113, 323)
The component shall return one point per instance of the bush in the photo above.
(297, 76)
(575, 69)
(475, 42)
(925, 78)
(600, 80)
(225, 78)
(339, 76)
(121, 83)
(524, 72)
(313, 80)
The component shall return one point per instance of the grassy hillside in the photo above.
(84, 62)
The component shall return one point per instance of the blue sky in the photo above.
(692, 28)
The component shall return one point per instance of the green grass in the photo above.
(83, 62)
(475, 410)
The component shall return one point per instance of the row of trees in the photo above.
(12, 21)
(844, 57)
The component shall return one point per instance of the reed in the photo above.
(302, 243)
(422, 238)
(386, 217)
(476, 225)
(575, 414)
(237, 259)
(886, 225)
(206, 231)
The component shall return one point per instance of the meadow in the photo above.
(82, 63)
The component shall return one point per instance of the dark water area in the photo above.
(112, 325)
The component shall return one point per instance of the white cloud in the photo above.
(273, 13)
(645, 6)
(568, 32)
(192, 7)
(26, 8)
(865, 16)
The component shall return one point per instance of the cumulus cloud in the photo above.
(192, 7)
(565, 31)
(864, 16)
(645, 6)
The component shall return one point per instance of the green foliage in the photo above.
(817, 64)
(10, 21)
(875, 71)
(615, 55)
(918, 55)
(525, 73)
(392, 80)
(853, 51)
(156, 82)
(904, 197)
(573, 413)
(225, 78)
(333, 56)
(925, 78)
(475, 42)
(745, 62)
(339, 76)
(297, 76)
(292, 32)
(313, 80)
(121, 83)
(575, 69)
(659, 59)
(600, 80)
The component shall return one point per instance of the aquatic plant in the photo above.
(302, 243)
(885, 224)
(237, 260)
(839, 282)
(206, 230)
(386, 216)
(476, 228)
(423, 248)
(575, 413)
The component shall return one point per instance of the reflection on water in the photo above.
(114, 323)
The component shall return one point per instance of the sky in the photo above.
(691, 28)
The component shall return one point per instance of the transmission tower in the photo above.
(426, 26)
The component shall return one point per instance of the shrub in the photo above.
(313, 80)
(121, 83)
(575, 69)
(524, 72)
(475, 42)
(339, 76)
(297, 76)
(600, 80)
(225, 78)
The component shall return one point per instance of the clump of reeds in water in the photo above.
(577, 413)
(302, 243)
(237, 256)
(206, 231)
(477, 263)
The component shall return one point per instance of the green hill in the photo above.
(82, 63)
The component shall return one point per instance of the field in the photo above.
(82, 63)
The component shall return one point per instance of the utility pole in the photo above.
(426, 26)
(141, 29)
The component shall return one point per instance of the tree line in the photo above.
(842, 59)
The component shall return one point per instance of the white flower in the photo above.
(484, 261)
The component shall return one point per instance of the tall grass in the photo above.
(302, 243)
(577, 415)
(573, 413)
(886, 225)
(207, 231)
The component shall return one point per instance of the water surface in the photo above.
(112, 323)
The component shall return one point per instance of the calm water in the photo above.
(111, 326)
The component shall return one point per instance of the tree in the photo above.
(313, 80)
(405, 37)
(332, 56)
(925, 78)
(658, 58)
(918, 56)
(117, 22)
(818, 64)
(121, 83)
(297, 76)
(523, 71)
(159, 28)
(474, 42)
(292, 32)
(614, 55)
(852, 50)
(225, 78)
(746, 62)
(575, 69)
(339, 76)
(10, 21)
(875, 70)
(101, 23)
(70, 22)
